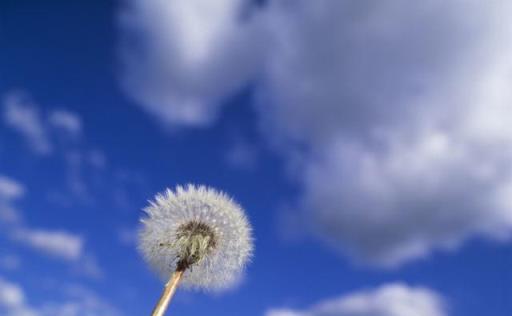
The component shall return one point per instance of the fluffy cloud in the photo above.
(389, 300)
(55, 243)
(181, 58)
(393, 115)
(404, 119)
(389, 62)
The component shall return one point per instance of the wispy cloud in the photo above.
(56, 243)
(40, 129)
(66, 121)
(88, 266)
(10, 191)
(11, 294)
(61, 244)
(77, 301)
(242, 155)
(22, 115)
(61, 131)
(127, 236)
(395, 299)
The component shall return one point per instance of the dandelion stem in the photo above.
(169, 290)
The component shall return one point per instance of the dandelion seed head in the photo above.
(199, 230)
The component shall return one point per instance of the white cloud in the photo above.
(10, 294)
(388, 62)
(57, 131)
(55, 243)
(22, 115)
(88, 266)
(128, 236)
(58, 244)
(78, 301)
(393, 116)
(12, 300)
(76, 171)
(179, 56)
(85, 167)
(10, 191)
(66, 121)
(404, 115)
(389, 300)
(38, 128)
(81, 301)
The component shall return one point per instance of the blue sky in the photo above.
(369, 143)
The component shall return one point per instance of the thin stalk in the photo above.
(169, 290)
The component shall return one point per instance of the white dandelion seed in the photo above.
(198, 235)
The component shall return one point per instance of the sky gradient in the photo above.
(368, 141)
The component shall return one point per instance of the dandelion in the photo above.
(197, 236)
